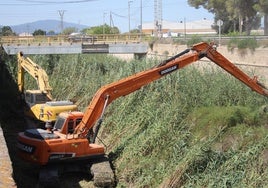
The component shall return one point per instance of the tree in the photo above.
(51, 33)
(69, 30)
(262, 7)
(7, 31)
(244, 12)
(134, 31)
(215, 7)
(102, 29)
(39, 32)
(234, 13)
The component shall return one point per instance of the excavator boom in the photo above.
(110, 92)
(224, 63)
(26, 64)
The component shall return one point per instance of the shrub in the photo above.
(194, 40)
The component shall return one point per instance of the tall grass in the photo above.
(198, 127)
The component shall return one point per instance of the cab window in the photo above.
(70, 127)
(78, 121)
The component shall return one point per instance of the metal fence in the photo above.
(111, 38)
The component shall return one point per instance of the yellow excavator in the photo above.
(40, 103)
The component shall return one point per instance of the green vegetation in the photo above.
(6, 31)
(194, 40)
(237, 15)
(102, 29)
(69, 30)
(197, 127)
(242, 44)
(39, 32)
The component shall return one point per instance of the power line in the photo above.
(56, 2)
(118, 15)
(12, 4)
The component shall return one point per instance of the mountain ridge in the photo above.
(46, 25)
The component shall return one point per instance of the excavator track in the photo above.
(103, 175)
(99, 169)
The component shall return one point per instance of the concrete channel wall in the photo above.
(6, 170)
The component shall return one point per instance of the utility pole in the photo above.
(111, 23)
(103, 26)
(141, 22)
(129, 15)
(184, 28)
(157, 18)
(61, 13)
(219, 23)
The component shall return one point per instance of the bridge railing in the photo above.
(58, 39)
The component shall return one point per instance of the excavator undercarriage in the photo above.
(98, 169)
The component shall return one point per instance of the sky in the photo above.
(119, 13)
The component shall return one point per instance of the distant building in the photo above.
(181, 28)
(25, 37)
(25, 34)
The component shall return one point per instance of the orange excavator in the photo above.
(74, 133)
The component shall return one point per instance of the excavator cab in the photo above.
(33, 97)
(66, 122)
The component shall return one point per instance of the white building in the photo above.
(181, 28)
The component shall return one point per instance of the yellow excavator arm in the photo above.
(41, 104)
(25, 64)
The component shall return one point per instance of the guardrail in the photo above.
(107, 39)
(111, 38)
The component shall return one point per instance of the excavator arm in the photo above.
(224, 63)
(26, 64)
(106, 94)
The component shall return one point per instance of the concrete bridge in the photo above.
(68, 48)
(126, 44)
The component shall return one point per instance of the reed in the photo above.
(198, 127)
